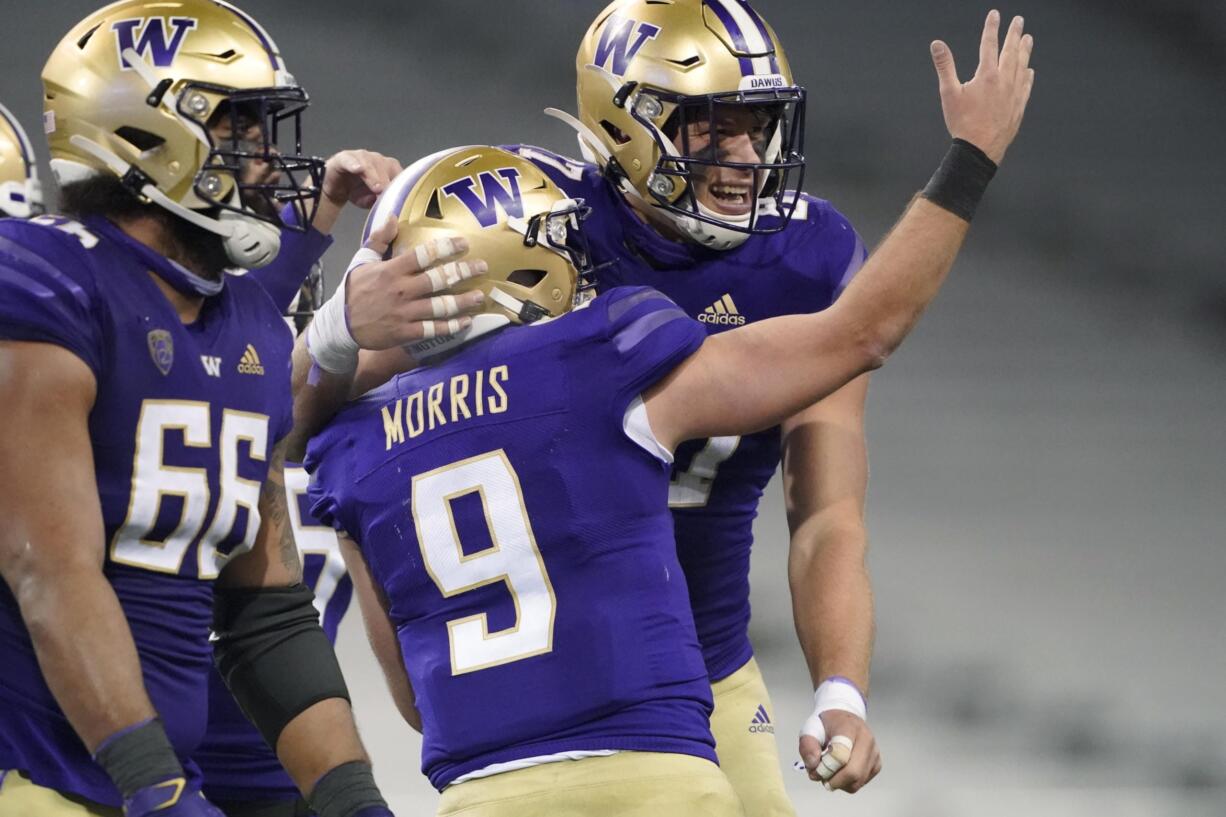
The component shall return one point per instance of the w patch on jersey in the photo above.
(161, 349)
(620, 42)
(761, 722)
(155, 38)
(484, 205)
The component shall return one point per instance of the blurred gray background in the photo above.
(1049, 460)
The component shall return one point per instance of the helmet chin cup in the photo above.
(250, 243)
(712, 236)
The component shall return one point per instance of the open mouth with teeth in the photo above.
(727, 198)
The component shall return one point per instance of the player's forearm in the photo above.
(318, 395)
(84, 648)
(832, 604)
(899, 280)
(318, 740)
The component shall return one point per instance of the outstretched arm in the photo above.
(754, 377)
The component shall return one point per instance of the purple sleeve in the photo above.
(325, 462)
(282, 278)
(648, 337)
(41, 302)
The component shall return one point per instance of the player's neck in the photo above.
(154, 235)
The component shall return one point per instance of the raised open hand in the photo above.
(987, 111)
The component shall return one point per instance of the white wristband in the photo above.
(329, 341)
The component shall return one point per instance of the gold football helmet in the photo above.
(513, 217)
(21, 196)
(650, 71)
(142, 89)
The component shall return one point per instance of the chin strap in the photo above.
(698, 231)
(249, 242)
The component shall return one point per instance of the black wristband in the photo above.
(138, 756)
(345, 790)
(961, 179)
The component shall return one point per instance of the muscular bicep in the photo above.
(273, 560)
(754, 377)
(380, 632)
(825, 461)
(48, 492)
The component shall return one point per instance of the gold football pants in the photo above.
(627, 784)
(744, 726)
(21, 798)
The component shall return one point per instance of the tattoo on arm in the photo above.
(275, 500)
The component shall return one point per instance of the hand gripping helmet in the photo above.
(138, 88)
(648, 70)
(20, 193)
(513, 217)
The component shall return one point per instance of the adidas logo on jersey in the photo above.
(722, 312)
(761, 722)
(250, 364)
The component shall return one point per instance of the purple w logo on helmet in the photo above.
(484, 205)
(153, 40)
(615, 42)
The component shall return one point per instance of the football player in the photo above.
(507, 529)
(21, 195)
(145, 396)
(693, 126)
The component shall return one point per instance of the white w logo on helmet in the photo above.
(149, 37)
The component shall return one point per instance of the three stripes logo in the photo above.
(722, 312)
(761, 721)
(250, 363)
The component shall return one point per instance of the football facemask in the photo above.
(648, 72)
(189, 103)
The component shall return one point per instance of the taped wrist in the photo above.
(837, 692)
(329, 340)
(273, 655)
(961, 179)
(138, 756)
(345, 791)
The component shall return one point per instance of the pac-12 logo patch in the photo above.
(494, 194)
(161, 349)
(620, 42)
(153, 38)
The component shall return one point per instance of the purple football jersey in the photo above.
(523, 540)
(717, 483)
(182, 426)
(284, 275)
(236, 762)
